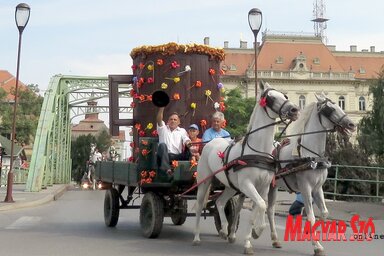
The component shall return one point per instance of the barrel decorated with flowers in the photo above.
(189, 74)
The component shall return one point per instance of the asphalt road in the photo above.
(74, 225)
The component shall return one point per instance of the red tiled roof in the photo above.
(8, 82)
(363, 66)
(288, 51)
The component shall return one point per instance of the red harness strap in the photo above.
(227, 166)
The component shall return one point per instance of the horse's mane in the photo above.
(253, 116)
(299, 125)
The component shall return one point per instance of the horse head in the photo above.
(332, 116)
(277, 102)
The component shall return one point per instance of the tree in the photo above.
(371, 133)
(27, 115)
(80, 151)
(238, 112)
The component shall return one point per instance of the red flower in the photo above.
(138, 126)
(198, 84)
(212, 71)
(132, 144)
(133, 104)
(141, 133)
(160, 62)
(152, 174)
(131, 159)
(150, 80)
(141, 65)
(145, 152)
(132, 92)
(263, 102)
(154, 133)
(222, 106)
(221, 154)
(134, 67)
(175, 163)
(174, 64)
(194, 175)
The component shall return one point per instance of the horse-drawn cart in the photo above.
(162, 195)
(190, 76)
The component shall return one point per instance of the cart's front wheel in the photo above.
(111, 207)
(151, 215)
(179, 215)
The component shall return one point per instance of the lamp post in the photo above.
(21, 17)
(255, 19)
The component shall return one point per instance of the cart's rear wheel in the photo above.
(179, 215)
(230, 209)
(151, 215)
(111, 207)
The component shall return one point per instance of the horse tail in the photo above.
(205, 201)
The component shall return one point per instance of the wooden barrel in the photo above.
(190, 76)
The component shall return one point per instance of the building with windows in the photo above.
(302, 65)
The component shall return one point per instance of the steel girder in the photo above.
(51, 157)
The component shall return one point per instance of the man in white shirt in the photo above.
(172, 140)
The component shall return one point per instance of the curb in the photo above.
(48, 198)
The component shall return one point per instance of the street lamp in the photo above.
(255, 18)
(21, 17)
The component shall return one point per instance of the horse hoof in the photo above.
(231, 240)
(196, 242)
(276, 244)
(254, 235)
(249, 251)
(319, 252)
(223, 235)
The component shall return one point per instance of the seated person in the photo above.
(216, 131)
(196, 146)
(172, 141)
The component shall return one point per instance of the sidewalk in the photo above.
(338, 210)
(25, 199)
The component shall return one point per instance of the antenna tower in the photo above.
(319, 21)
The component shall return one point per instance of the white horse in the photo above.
(308, 149)
(254, 179)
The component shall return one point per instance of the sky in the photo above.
(95, 38)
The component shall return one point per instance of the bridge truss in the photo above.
(51, 156)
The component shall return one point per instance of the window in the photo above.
(232, 67)
(342, 102)
(302, 101)
(361, 103)
(316, 61)
(279, 60)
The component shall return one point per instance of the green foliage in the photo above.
(238, 112)
(371, 133)
(81, 148)
(27, 115)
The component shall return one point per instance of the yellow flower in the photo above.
(164, 86)
(193, 105)
(176, 80)
(208, 93)
(150, 67)
(149, 126)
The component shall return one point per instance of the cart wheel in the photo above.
(151, 215)
(229, 210)
(111, 207)
(179, 215)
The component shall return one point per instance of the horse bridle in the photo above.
(324, 109)
(270, 101)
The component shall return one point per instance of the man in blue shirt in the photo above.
(216, 130)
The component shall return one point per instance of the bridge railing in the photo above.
(355, 181)
(20, 175)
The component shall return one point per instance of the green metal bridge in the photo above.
(65, 99)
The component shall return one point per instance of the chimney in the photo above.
(243, 44)
(332, 48)
(353, 48)
(372, 48)
(206, 40)
(225, 44)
